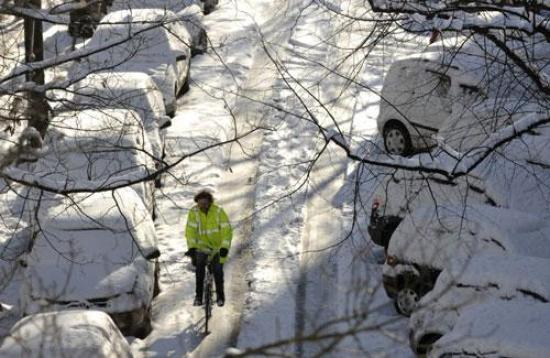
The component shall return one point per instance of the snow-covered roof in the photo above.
(116, 80)
(108, 123)
(173, 5)
(506, 329)
(93, 148)
(144, 25)
(130, 90)
(134, 16)
(75, 333)
(474, 61)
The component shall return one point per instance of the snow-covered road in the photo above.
(216, 108)
(281, 279)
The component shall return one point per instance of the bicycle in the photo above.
(207, 291)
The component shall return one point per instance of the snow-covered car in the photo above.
(93, 148)
(400, 192)
(190, 13)
(506, 329)
(430, 238)
(95, 251)
(423, 90)
(516, 174)
(152, 41)
(484, 278)
(75, 333)
(129, 90)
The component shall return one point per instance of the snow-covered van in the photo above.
(423, 90)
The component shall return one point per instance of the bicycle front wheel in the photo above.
(207, 303)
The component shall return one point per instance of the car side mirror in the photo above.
(165, 122)
(181, 58)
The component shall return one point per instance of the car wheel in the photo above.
(73, 29)
(158, 182)
(156, 284)
(425, 344)
(406, 301)
(208, 9)
(154, 208)
(202, 44)
(145, 327)
(185, 86)
(397, 139)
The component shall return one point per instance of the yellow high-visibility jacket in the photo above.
(208, 231)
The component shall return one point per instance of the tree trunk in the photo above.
(34, 51)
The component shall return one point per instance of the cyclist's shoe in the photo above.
(198, 301)
(220, 302)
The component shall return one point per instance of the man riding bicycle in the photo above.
(208, 232)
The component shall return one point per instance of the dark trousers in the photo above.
(216, 268)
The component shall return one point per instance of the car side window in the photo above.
(440, 81)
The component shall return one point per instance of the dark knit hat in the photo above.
(204, 194)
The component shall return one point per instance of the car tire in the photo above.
(185, 86)
(154, 209)
(156, 283)
(145, 327)
(397, 139)
(406, 300)
(208, 9)
(202, 44)
(426, 342)
(158, 182)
